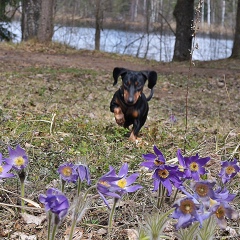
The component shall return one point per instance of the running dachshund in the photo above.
(129, 104)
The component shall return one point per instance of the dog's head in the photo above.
(133, 82)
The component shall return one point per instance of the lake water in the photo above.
(152, 46)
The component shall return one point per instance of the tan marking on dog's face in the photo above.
(125, 95)
(136, 96)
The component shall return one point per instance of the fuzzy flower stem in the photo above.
(22, 194)
(175, 195)
(161, 194)
(110, 220)
(54, 231)
(49, 225)
(79, 184)
(63, 182)
(74, 222)
(88, 190)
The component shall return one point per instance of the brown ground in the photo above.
(105, 62)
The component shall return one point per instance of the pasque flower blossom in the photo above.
(167, 176)
(153, 160)
(229, 170)
(68, 172)
(116, 186)
(17, 158)
(125, 183)
(4, 168)
(83, 173)
(187, 212)
(222, 210)
(56, 202)
(193, 166)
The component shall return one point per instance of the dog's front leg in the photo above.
(136, 128)
(119, 116)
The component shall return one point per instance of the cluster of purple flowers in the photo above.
(206, 199)
(17, 160)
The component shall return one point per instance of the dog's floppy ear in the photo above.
(152, 78)
(117, 72)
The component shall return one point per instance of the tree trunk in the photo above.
(45, 26)
(236, 43)
(98, 20)
(30, 17)
(37, 20)
(184, 13)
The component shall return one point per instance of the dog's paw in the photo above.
(119, 116)
(132, 138)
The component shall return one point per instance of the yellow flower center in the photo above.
(187, 206)
(19, 161)
(194, 167)
(230, 170)
(157, 162)
(122, 183)
(220, 213)
(1, 169)
(202, 190)
(67, 171)
(163, 173)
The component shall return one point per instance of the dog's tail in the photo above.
(150, 95)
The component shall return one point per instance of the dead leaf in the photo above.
(23, 236)
(28, 218)
(78, 233)
(132, 234)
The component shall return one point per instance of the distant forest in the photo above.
(218, 16)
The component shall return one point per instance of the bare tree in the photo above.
(45, 24)
(37, 20)
(184, 13)
(98, 27)
(30, 17)
(236, 44)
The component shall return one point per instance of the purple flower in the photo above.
(223, 195)
(204, 191)
(116, 186)
(187, 212)
(153, 160)
(17, 158)
(56, 202)
(106, 186)
(4, 168)
(167, 175)
(83, 173)
(221, 210)
(194, 166)
(125, 183)
(68, 172)
(229, 170)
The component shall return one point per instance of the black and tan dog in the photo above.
(129, 104)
